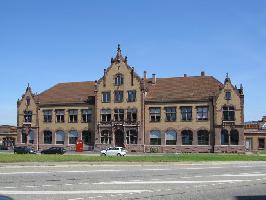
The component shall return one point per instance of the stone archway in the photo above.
(119, 138)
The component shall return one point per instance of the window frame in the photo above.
(201, 112)
(47, 116)
(186, 113)
(170, 114)
(119, 79)
(134, 93)
(106, 97)
(189, 134)
(119, 115)
(170, 142)
(107, 114)
(59, 116)
(73, 116)
(228, 113)
(155, 116)
(106, 137)
(116, 95)
(86, 115)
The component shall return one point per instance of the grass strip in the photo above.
(11, 158)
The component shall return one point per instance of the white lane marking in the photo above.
(9, 187)
(258, 179)
(47, 185)
(50, 172)
(31, 186)
(197, 176)
(76, 199)
(68, 184)
(83, 183)
(6, 192)
(135, 180)
(99, 196)
(166, 182)
(155, 169)
(239, 175)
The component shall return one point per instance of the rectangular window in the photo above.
(60, 116)
(73, 116)
(106, 137)
(155, 114)
(119, 96)
(131, 95)
(261, 143)
(27, 116)
(118, 115)
(227, 95)
(132, 115)
(186, 113)
(106, 115)
(229, 113)
(106, 97)
(202, 113)
(47, 116)
(170, 114)
(119, 79)
(86, 115)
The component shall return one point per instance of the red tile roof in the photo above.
(182, 88)
(72, 92)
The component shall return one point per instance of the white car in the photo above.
(114, 151)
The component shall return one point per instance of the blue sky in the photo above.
(50, 41)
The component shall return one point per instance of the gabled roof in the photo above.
(72, 92)
(182, 88)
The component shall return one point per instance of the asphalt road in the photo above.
(78, 181)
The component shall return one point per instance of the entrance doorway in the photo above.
(119, 138)
(248, 144)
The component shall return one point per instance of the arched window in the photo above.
(187, 137)
(73, 136)
(23, 136)
(234, 136)
(119, 79)
(132, 137)
(224, 137)
(170, 137)
(106, 137)
(31, 136)
(47, 137)
(203, 137)
(228, 113)
(60, 137)
(86, 137)
(155, 137)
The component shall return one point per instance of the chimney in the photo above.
(104, 78)
(132, 76)
(153, 78)
(185, 75)
(202, 73)
(145, 75)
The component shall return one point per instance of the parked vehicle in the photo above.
(114, 151)
(24, 150)
(54, 150)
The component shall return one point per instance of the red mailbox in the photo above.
(79, 145)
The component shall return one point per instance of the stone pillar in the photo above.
(195, 138)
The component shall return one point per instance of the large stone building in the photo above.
(255, 135)
(177, 114)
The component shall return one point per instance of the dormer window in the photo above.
(119, 79)
(227, 95)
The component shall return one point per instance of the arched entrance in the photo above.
(119, 138)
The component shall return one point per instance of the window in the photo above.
(170, 137)
(119, 96)
(118, 115)
(170, 113)
(73, 116)
(224, 137)
(155, 114)
(131, 95)
(132, 115)
(23, 136)
(227, 95)
(73, 136)
(60, 116)
(202, 113)
(203, 137)
(234, 136)
(47, 115)
(106, 137)
(155, 137)
(261, 143)
(132, 137)
(228, 113)
(27, 116)
(31, 136)
(119, 79)
(47, 137)
(60, 137)
(86, 137)
(106, 115)
(187, 137)
(106, 97)
(86, 115)
(186, 113)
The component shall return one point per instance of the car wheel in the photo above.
(118, 154)
(103, 154)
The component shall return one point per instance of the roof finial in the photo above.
(227, 76)
(227, 79)
(119, 56)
